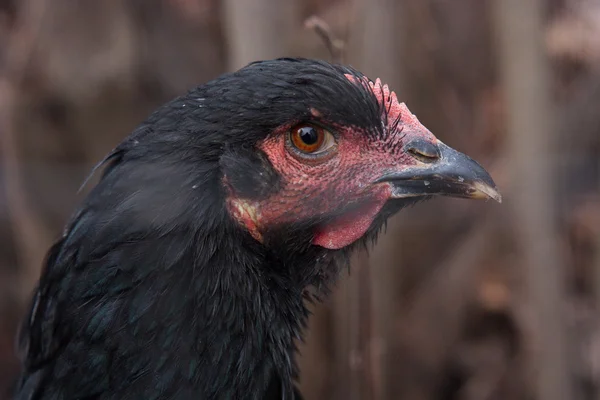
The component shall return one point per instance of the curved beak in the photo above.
(451, 174)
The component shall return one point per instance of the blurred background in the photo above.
(460, 300)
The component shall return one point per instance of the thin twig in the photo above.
(334, 46)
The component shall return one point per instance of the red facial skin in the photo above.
(342, 179)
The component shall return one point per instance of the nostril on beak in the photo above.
(423, 150)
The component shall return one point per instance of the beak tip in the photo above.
(497, 197)
(486, 191)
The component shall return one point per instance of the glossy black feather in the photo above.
(154, 292)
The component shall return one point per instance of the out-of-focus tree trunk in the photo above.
(374, 42)
(525, 78)
(596, 267)
(345, 384)
(31, 236)
(258, 29)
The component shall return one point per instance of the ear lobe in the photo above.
(249, 173)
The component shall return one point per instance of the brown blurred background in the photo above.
(460, 300)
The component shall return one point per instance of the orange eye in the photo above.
(311, 139)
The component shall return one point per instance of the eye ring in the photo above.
(310, 141)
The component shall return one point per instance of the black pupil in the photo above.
(309, 135)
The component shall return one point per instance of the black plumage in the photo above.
(155, 291)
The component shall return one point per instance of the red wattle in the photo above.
(348, 228)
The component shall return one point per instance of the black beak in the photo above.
(441, 171)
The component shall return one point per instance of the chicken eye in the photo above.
(311, 139)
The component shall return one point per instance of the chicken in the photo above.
(185, 272)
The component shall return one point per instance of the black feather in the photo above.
(154, 292)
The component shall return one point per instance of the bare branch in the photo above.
(335, 46)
